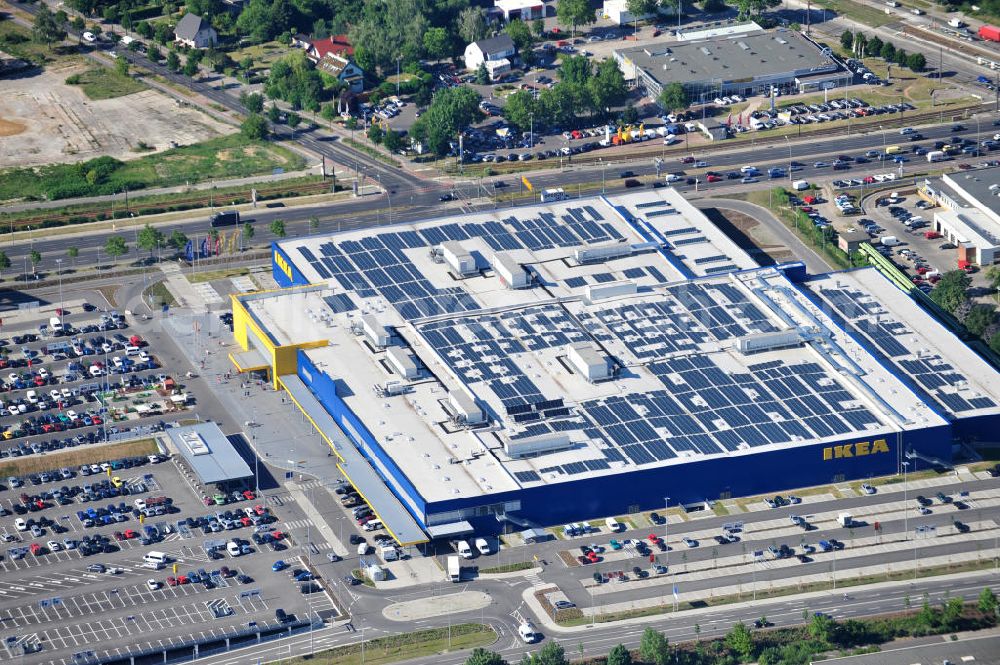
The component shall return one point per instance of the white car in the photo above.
(867, 489)
(53, 546)
(89, 37)
(152, 585)
(691, 542)
(20, 524)
(528, 632)
(673, 177)
(748, 169)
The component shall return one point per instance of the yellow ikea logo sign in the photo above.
(282, 264)
(856, 449)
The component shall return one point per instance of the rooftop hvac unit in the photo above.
(456, 257)
(602, 252)
(511, 272)
(760, 342)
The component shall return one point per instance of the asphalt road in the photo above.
(419, 199)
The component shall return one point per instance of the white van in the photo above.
(363, 549)
(155, 557)
(613, 525)
(463, 549)
(527, 632)
(152, 565)
(233, 548)
(373, 525)
(131, 350)
(482, 546)
(389, 553)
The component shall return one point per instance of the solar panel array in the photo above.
(654, 329)
(930, 371)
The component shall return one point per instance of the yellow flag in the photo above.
(527, 183)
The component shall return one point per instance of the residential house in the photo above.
(335, 45)
(195, 32)
(495, 52)
(344, 70)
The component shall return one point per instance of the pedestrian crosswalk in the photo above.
(534, 579)
(299, 524)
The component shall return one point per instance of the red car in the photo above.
(714, 178)
(97, 420)
(182, 579)
(260, 510)
(687, 160)
(592, 556)
(248, 495)
(653, 538)
(171, 581)
(130, 534)
(119, 535)
(245, 521)
(36, 549)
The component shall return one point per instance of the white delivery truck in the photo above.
(557, 194)
(956, 23)
(845, 520)
(454, 569)
(800, 185)
(889, 241)
(936, 156)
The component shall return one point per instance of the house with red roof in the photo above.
(337, 45)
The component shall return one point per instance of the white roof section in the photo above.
(514, 5)
(684, 389)
(905, 336)
(714, 33)
(209, 452)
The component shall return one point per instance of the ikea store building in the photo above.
(591, 357)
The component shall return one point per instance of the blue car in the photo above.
(303, 576)
(278, 565)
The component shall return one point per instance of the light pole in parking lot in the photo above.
(882, 129)
(666, 523)
(906, 506)
(256, 454)
(59, 272)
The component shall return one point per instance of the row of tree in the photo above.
(783, 646)
(862, 46)
(952, 294)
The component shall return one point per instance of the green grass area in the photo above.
(507, 568)
(16, 40)
(159, 294)
(232, 156)
(719, 509)
(373, 152)
(102, 83)
(359, 574)
(405, 646)
(212, 275)
(778, 592)
(870, 14)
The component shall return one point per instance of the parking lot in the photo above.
(89, 381)
(89, 584)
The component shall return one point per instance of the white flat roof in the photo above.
(905, 336)
(682, 391)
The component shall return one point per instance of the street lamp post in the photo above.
(906, 506)
(531, 131)
(59, 272)
(789, 144)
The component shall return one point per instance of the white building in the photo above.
(196, 32)
(969, 216)
(617, 12)
(526, 10)
(496, 52)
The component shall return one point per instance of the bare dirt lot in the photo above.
(44, 121)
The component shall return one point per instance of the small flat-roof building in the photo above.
(970, 213)
(526, 10)
(850, 241)
(742, 63)
(210, 454)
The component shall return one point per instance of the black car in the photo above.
(626, 174)
(281, 616)
(356, 539)
(445, 197)
(995, 471)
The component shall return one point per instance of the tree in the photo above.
(252, 101)
(630, 115)
(149, 238)
(437, 43)
(619, 655)
(674, 97)
(4, 261)
(46, 28)
(248, 231)
(72, 252)
(375, 133)
(471, 23)
(916, 62)
(888, 51)
(987, 601)
(482, 74)
(552, 654)
(153, 53)
(278, 228)
(872, 46)
(35, 257)
(558, 105)
(115, 246)
(273, 113)
(740, 640)
(293, 119)
(574, 13)
(538, 27)
(950, 290)
(520, 108)
(951, 613)
(178, 240)
(979, 318)
(190, 67)
(173, 62)
(451, 111)
(821, 627)
(388, 29)
(847, 39)
(654, 648)
(520, 34)
(121, 65)
(640, 8)
(294, 79)
(753, 8)
(484, 657)
(607, 86)
(392, 141)
(254, 127)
